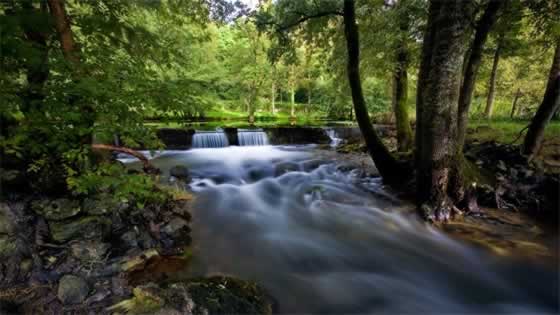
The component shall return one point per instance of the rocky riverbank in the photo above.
(84, 256)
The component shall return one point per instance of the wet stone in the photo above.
(72, 289)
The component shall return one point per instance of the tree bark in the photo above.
(441, 77)
(400, 88)
(472, 65)
(391, 171)
(63, 28)
(292, 100)
(514, 104)
(549, 106)
(423, 75)
(273, 97)
(492, 85)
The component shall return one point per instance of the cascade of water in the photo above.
(213, 139)
(335, 140)
(248, 137)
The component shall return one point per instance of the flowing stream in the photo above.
(323, 239)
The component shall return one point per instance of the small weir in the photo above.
(335, 140)
(209, 139)
(252, 137)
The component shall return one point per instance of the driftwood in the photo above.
(147, 166)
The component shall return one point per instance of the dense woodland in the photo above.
(75, 73)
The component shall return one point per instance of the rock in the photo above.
(129, 240)
(181, 172)
(7, 246)
(100, 205)
(181, 208)
(227, 295)
(215, 295)
(7, 220)
(138, 262)
(58, 209)
(93, 227)
(86, 251)
(72, 290)
(177, 231)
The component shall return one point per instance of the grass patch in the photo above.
(506, 131)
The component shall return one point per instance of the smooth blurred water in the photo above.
(322, 239)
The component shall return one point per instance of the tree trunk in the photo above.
(292, 100)
(390, 170)
(63, 28)
(550, 104)
(492, 85)
(400, 88)
(472, 65)
(273, 97)
(514, 104)
(37, 72)
(423, 74)
(441, 79)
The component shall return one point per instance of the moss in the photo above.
(225, 295)
(93, 227)
(146, 300)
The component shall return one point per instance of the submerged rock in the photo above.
(72, 289)
(57, 209)
(93, 227)
(181, 172)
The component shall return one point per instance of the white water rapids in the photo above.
(322, 239)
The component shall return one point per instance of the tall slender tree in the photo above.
(549, 106)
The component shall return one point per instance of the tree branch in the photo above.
(147, 166)
(304, 18)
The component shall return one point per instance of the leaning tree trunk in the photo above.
(472, 65)
(549, 106)
(400, 89)
(492, 86)
(390, 170)
(447, 24)
(514, 104)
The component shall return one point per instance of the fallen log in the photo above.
(148, 167)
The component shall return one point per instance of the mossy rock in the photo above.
(93, 227)
(215, 295)
(226, 295)
(102, 204)
(8, 247)
(57, 209)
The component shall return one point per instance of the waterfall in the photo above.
(335, 140)
(248, 137)
(209, 139)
